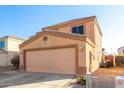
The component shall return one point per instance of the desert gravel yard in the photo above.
(97, 83)
(103, 78)
(110, 72)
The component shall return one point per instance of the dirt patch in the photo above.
(109, 72)
(103, 78)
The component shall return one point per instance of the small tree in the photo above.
(15, 61)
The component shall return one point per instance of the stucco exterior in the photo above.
(13, 44)
(52, 64)
(3, 58)
(10, 49)
(61, 37)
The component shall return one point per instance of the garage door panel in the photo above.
(51, 61)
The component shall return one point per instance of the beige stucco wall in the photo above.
(88, 50)
(65, 29)
(92, 31)
(57, 41)
(94, 44)
(13, 44)
(98, 42)
(3, 59)
(97, 50)
(11, 48)
(88, 28)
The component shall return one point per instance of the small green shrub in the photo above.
(81, 80)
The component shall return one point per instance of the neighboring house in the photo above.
(9, 47)
(72, 47)
(121, 51)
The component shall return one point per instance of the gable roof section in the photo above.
(86, 19)
(55, 33)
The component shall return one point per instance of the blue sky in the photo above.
(25, 21)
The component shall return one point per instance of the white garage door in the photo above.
(60, 60)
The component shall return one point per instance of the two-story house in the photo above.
(71, 47)
(9, 47)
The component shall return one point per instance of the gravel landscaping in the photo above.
(103, 78)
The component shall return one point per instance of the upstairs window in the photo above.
(2, 44)
(78, 29)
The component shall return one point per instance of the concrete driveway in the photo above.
(16, 79)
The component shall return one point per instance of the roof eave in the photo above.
(70, 21)
(55, 33)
